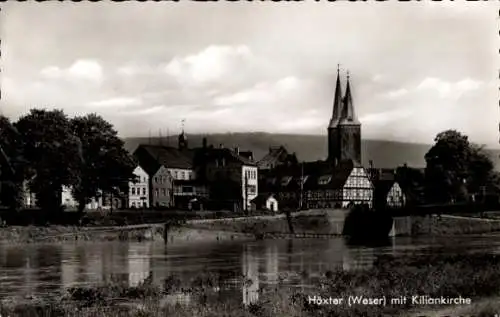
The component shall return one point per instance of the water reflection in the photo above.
(246, 267)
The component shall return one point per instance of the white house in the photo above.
(138, 196)
(395, 197)
(67, 199)
(265, 202)
(249, 182)
(357, 188)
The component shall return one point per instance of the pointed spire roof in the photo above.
(348, 116)
(337, 102)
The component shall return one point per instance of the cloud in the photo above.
(263, 92)
(146, 111)
(447, 89)
(386, 117)
(394, 94)
(83, 69)
(119, 102)
(212, 64)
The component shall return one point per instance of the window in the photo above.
(285, 180)
(303, 178)
(251, 189)
(163, 192)
(176, 175)
(144, 190)
(133, 204)
(187, 189)
(156, 192)
(133, 190)
(156, 179)
(184, 175)
(325, 179)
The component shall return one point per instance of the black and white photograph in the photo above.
(250, 158)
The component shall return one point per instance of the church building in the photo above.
(338, 181)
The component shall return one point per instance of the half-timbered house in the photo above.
(339, 187)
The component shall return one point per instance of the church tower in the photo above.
(333, 129)
(344, 129)
(349, 129)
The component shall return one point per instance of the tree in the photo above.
(53, 154)
(480, 169)
(106, 165)
(12, 174)
(455, 167)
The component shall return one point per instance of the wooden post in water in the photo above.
(165, 233)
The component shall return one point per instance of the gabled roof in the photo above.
(319, 174)
(274, 154)
(151, 157)
(339, 175)
(219, 153)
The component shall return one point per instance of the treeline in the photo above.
(456, 171)
(47, 150)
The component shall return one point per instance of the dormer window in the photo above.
(286, 180)
(303, 178)
(325, 179)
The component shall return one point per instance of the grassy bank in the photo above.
(447, 225)
(474, 276)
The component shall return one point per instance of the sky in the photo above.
(416, 68)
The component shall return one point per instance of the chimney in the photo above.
(204, 143)
(237, 150)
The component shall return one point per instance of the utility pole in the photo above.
(246, 192)
(301, 186)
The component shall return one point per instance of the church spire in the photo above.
(347, 115)
(337, 102)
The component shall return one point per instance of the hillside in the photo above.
(385, 154)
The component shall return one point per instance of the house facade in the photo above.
(138, 196)
(249, 183)
(29, 198)
(395, 198)
(67, 199)
(347, 184)
(231, 178)
(161, 184)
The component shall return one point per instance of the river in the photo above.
(39, 269)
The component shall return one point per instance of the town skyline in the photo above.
(181, 62)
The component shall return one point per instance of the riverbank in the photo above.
(306, 224)
(133, 233)
(450, 276)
